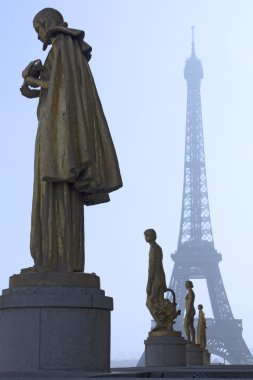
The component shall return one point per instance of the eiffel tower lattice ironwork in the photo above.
(196, 256)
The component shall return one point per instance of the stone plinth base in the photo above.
(54, 327)
(194, 354)
(76, 279)
(206, 357)
(165, 351)
(165, 333)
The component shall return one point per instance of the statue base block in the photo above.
(206, 357)
(69, 279)
(165, 333)
(194, 354)
(54, 327)
(165, 351)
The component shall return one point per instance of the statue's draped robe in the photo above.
(201, 330)
(75, 160)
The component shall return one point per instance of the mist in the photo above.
(138, 58)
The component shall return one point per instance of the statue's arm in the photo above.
(151, 273)
(149, 283)
(189, 304)
(204, 320)
(28, 92)
(191, 299)
(31, 77)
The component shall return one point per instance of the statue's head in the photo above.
(200, 307)
(188, 284)
(45, 19)
(150, 235)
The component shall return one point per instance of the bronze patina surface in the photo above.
(201, 328)
(75, 159)
(189, 313)
(163, 311)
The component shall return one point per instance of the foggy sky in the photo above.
(139, 51)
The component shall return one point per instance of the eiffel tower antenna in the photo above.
(196, 256)
(193, 42)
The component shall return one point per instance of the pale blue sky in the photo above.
(139, 50)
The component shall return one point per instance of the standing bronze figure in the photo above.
(162, 309)
(201, 328)
(189, 313)
(75, 159)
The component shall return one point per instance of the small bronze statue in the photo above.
(75, 159)
(162, 310)
(189, 313)
(201, 328)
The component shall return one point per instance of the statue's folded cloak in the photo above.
(76, 143)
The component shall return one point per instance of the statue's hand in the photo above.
(28, 93)
(32, 82)
(31, 68)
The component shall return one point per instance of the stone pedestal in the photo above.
(57, 321)
(206, 357)
(165, 351)
(194, 354)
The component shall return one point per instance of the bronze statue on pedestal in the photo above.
(75, 159)
(189, 313)
(201, 328)
(162, 310)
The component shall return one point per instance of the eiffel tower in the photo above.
(196, 256)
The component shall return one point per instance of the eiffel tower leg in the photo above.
(224, 338)
(217, 293)
(224, 332)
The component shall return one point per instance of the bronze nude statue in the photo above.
(189, 313)
(75, 159)
(162, 310)
(201, 328)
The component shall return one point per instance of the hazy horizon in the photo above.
(138, 57)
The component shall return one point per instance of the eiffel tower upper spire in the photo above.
(193, 42)
(195, 226)
(193, 71)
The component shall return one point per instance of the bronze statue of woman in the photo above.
(75, 159)
(189, 313)
(201, 328)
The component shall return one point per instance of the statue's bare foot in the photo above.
(190, 343)
(32, 269)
